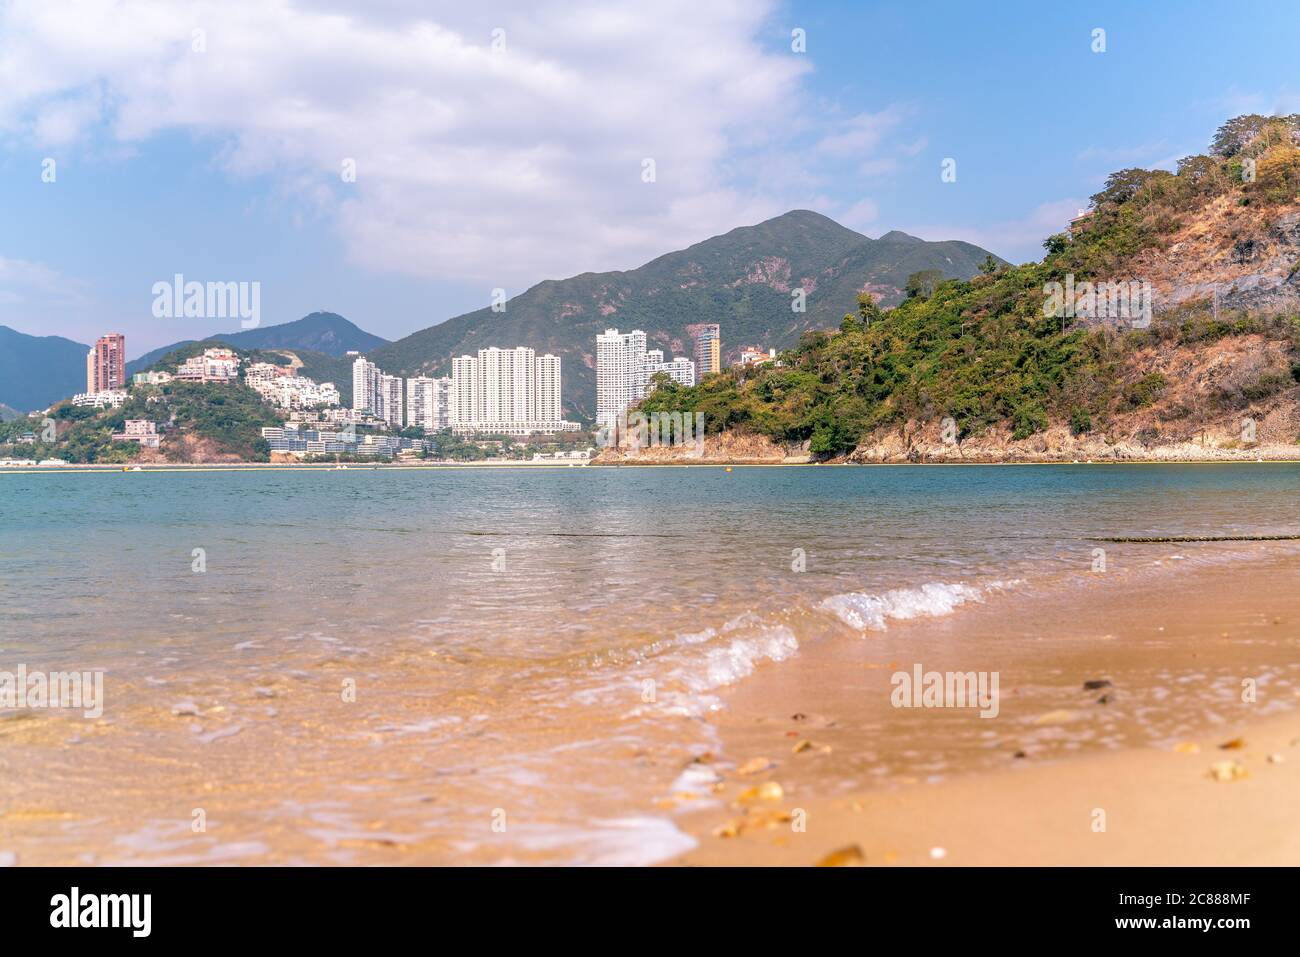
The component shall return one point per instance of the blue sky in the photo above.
(505, 145)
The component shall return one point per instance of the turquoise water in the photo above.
(90, 563)
(493, 616)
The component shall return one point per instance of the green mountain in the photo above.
(1213, 364)
(744, 280)
(37, 371)
(326, 333)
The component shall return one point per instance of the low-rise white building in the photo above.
(214, 365)
(107, 399)
(141, 431)
(754, 356)
(151, 378)
(547, 427)
(278, 385)
(680, 370)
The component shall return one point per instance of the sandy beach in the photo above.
(1159, 767)
(532, 688)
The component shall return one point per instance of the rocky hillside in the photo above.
(985, 369)
(743, 280)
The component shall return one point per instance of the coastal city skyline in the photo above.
(499, 393)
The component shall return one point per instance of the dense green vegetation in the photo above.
(981, 350)
(742, 280)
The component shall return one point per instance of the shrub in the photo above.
(1080, 421)
(1145, 391)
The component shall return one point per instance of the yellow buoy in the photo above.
(728, 468)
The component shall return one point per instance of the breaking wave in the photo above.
(865, 611)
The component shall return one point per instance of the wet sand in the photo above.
(1161, 808)
(1132, 773)
(593, 698)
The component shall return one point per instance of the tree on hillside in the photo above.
(869, 311)
(1277, 179)
(1126, 184)
(922, 284)
(1202, 175)
(1253, 133)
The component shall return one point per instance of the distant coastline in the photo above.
(1254, 457)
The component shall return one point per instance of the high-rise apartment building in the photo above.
(624, 369)
(389, 393)
(619, 357)
(548, 388)
(512, 391)
(365, 382)
(106, 364)
(708, 349)
(376, 392)
(680, 370)
(429, 403)
(465, 390)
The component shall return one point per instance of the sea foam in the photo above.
(870, 612)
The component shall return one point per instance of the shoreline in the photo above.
(645, 464)
(876, 785)
(272, 467)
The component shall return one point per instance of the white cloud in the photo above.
(1236, 102)
(32, 291)
(859, 215)
(504, 167)
(22, 273)
(1114, 156)
(1016, 240)
(862, 134)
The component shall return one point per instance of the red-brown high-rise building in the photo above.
(106, 363)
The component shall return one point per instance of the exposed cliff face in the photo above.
(188, 447)
(728, 448)
(1247, 255)
(1059, 444)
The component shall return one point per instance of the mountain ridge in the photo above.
(745, 279)
(322, 332)
(995, 368)
(37, 371)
